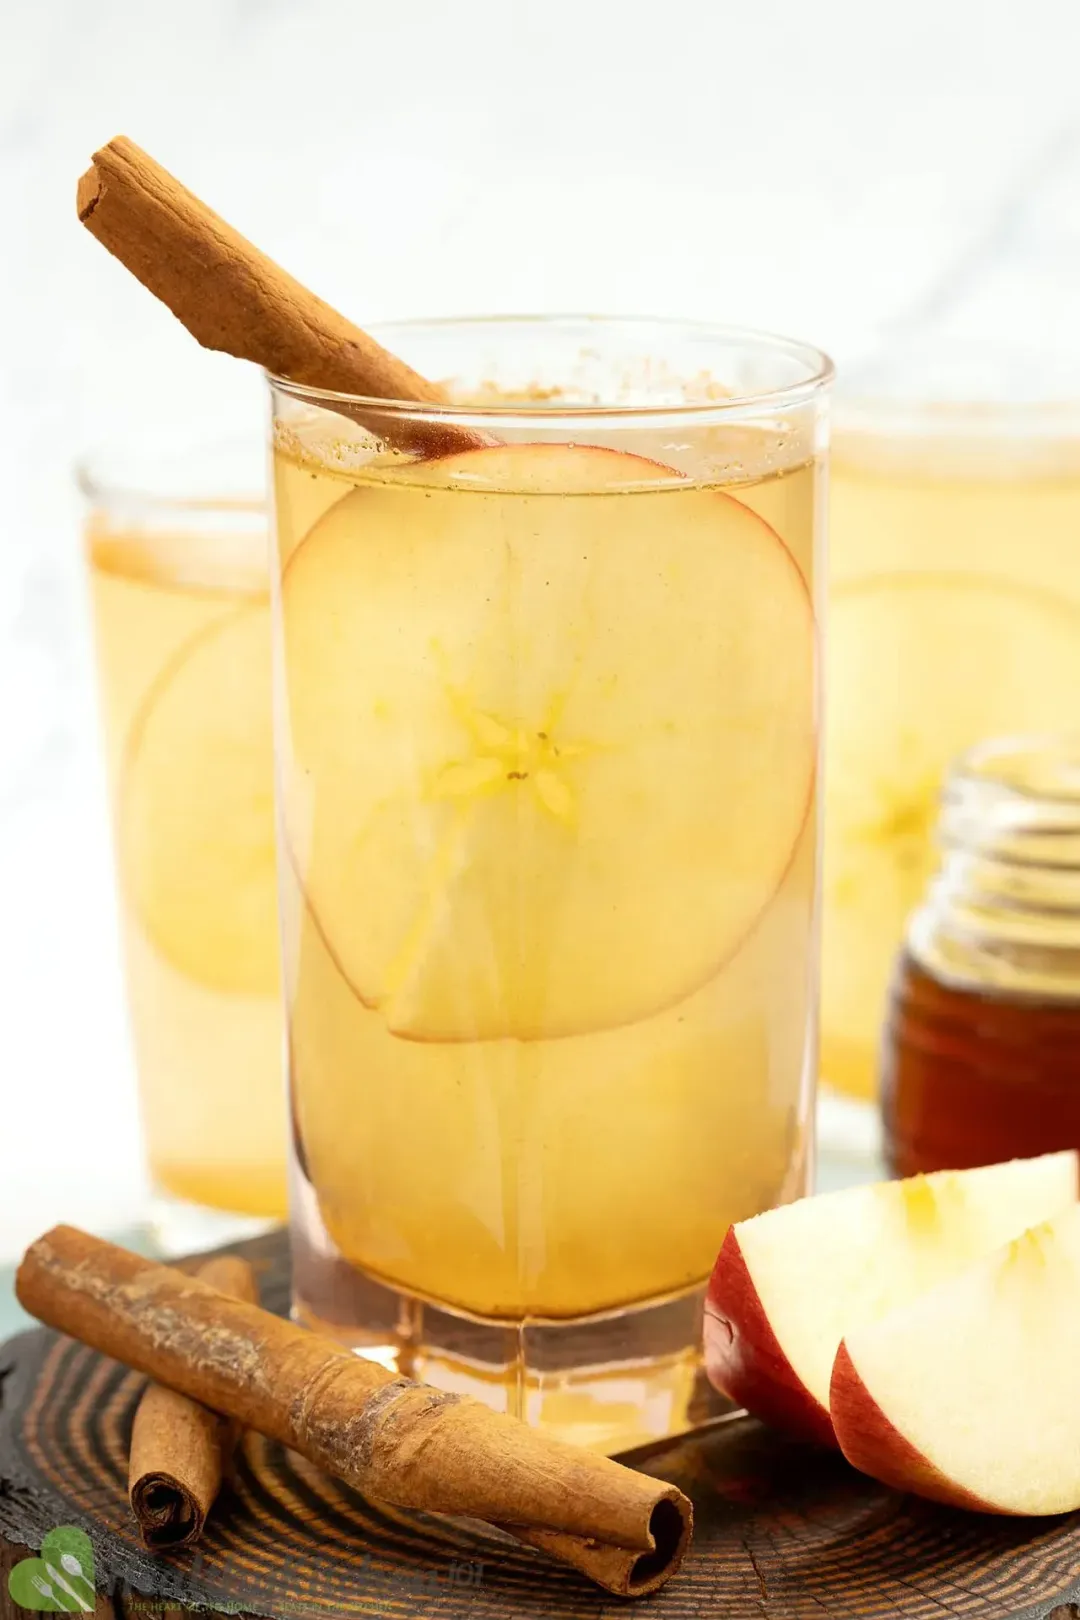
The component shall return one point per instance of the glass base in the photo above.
(179, 1227)
(610, 1382)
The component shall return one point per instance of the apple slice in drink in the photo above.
(968, 1394)
(196, 808)
(790, 1284)
(549, 744)
(469, 1170)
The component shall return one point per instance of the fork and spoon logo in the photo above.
(61, 1579)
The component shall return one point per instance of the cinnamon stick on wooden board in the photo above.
(232, 297)
(179, 1448)
(391, 1438)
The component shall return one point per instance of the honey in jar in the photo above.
(981, 1047)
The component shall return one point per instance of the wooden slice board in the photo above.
(783, 1531)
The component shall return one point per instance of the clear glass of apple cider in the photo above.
(954, 615)
(547, 755)
(176, 547)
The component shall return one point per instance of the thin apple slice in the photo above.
(967, 1395)
(549, 746)
(305, 489)
(790, 1284)
(196, 808)
(503, 1177)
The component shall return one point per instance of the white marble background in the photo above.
(813, 167)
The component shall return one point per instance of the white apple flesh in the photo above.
(968, 1395)
(790, 1284)
(548, 749)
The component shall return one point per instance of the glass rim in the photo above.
(820, 374)
(119, 473)
(882, 413)
(915, 379)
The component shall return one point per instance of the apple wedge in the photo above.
(550, 737)
(968, 1394)
(790, 1284)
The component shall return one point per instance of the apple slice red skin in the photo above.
(872, 1444)
(744, 1359)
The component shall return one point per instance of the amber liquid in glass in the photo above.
(548, 859)
(182, 634)
(954, 614)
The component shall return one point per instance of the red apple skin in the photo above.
(873, 1445)
(743, 1357)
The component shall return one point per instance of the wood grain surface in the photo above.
(784, 1532)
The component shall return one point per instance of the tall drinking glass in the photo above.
(547, 723)
(954, 615)
(176, 547)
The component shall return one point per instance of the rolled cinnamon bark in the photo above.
(404, 1442)
(179, 1448)
(232, 297)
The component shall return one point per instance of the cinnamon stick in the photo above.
(179, 1448)
(391, 1438)
(232, 297)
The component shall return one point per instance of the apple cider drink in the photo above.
(954, 615)
(182, 628)
(547, 772)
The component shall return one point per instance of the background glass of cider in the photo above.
(954, 615)
(180, 597)
(547, 758)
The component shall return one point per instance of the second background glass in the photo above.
(954, 616)
(176, 547)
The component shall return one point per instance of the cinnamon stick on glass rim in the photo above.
(232, 297)
(403, 1442)
(179, 1448)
